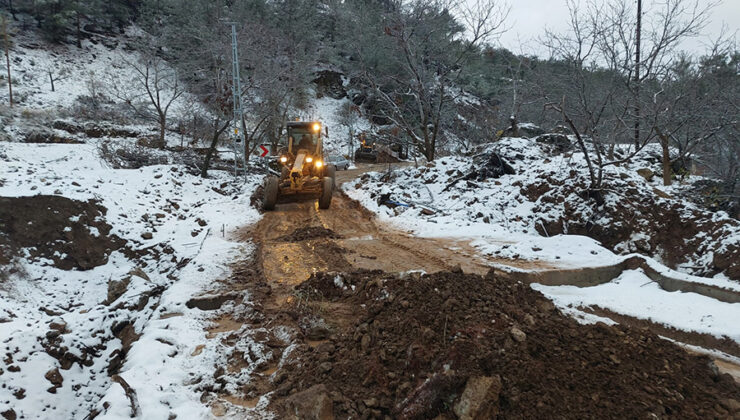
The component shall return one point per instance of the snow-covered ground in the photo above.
(505, 217)
(190, 220)
(634, 294)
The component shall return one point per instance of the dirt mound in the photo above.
(460, 345)
(679, 235)
(73, 234)
(309, 232)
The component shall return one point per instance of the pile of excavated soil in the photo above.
(464, 346)
(73, 234)
(676, 233)
(309, 232)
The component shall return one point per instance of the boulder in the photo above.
(518, 335)
(54, 377)
(554, 143)
(311, 404)
(491, 165)
(116, 289)
(480, 398)
(646, 173)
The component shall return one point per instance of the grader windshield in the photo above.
(303, 135)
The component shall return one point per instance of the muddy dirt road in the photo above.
(366, 243)
(342, 325)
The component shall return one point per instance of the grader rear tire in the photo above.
(271, 193)
(326, 192)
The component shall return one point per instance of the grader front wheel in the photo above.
(326, 192)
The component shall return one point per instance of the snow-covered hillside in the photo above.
(71, 329)
(100, 264)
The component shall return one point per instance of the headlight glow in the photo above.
(317, 127)
(283, 159)
(309, 159)
(318, 164)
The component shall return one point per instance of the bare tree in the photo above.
(605, 103)
(154, 87)
(56, 74)
(347, 115)
(431, 50)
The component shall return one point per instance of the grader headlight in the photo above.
(309, 159)
(283, 159)
(318, 164)
(316, 127)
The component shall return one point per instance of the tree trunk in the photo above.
(637, 75)
(209, 155)
(6, 42)
(212, 148)
(666, 160)
(79, 32)
(246, 139)
(161, 144)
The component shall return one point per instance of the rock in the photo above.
(9, 414)
(317, 332)
(69, 127)
(116, 289)
(325, 367)
(732, 405)
(365, 342)
(147, 235)
(646, 173)
(325, 348)
(661, 194)
(58, 325)
(554, 143)
(561, 129)
(489, 165)
(518, 335)
(480, 398)
(210, 302)
(311, 404)
(54, 377)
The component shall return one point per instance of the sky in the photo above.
(528, 19)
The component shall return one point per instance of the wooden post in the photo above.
(6, 42)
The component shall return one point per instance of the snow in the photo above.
(76, 68)
(634, 294)
(159, 365)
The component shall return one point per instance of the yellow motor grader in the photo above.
(304, 174)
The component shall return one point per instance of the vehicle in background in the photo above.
(340, 162)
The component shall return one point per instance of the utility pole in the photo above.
(637, 74)
(6, 43)
(239, 141)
